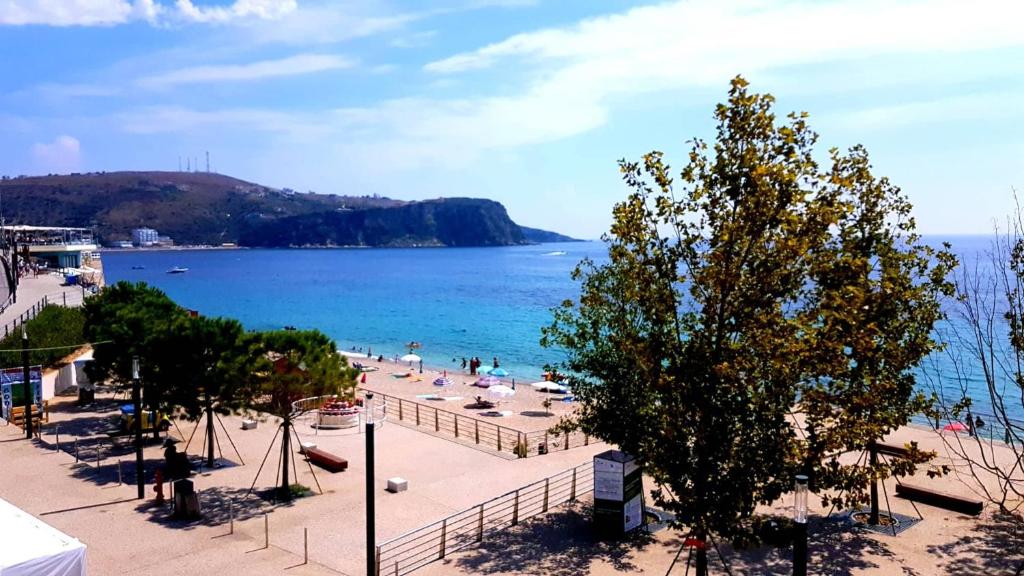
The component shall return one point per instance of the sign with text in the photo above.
(618, 483)
(12, 389)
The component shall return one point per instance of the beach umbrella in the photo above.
(487, 382)
(500, 372)
(955, 427)
(442, 382)
(410, 358)
(547, 386)
(484, 370)
(500, 392)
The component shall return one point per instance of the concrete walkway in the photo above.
(31, 291)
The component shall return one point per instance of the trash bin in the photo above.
(186, 500)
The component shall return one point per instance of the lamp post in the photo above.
(800, 526)
(26, 383)
(371, 529)
(137, 424)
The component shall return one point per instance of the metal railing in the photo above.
(419, 547)
(478, 432)
(29, 314)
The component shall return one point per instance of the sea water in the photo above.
(456, 302)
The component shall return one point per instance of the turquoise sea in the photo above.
(457, 302)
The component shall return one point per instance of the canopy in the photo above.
(487, 382)
(30, 547)
(410, 358)
(498, 372)
(956, 427)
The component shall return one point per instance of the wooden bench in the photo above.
(325, 459)
(897, 450)
(18, 414)
(939, 499)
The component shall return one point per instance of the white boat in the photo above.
(177, 270)
(555, 253)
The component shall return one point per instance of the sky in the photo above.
(528, 102)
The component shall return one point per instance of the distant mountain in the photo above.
(537, 236)
(205, 208)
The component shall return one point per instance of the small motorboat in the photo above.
(177, 270)
(138, 267)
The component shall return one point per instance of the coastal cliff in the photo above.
(203, 208)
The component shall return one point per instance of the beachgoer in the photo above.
(495, 361)
(380, 358)
(463, 362)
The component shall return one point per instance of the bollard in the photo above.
(266, 531)
(56, 432)
(76, 449)
(305, 545)
(231, 515)
(119, 482)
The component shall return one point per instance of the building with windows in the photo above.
(145, 237)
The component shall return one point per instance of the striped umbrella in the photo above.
(487, 382)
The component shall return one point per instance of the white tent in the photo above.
(30, 547)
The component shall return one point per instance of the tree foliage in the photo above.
(55, 327)
(718, 306)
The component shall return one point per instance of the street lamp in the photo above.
(371, 532)
(800, 526)
(137, 421)
(26, 384)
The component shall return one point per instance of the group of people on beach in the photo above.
(474, 364)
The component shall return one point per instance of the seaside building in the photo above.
(42, 248)
(145, 237)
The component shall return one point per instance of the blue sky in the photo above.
(529, 102)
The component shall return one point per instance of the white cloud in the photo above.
(62, 155)
(291, 66)
(415, 40)
(66, 12)
(113, 12)
(962, 108)
(240, 9)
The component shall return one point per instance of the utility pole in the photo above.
(207, 161)
(371, 529)
(140, 468)
(27, 383)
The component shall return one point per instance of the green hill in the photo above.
(205, 208)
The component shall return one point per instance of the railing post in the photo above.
(499, 438)
(547, 482)
(399, 409)
(437, 428)
(444, 535)
(567, 436)
(456, 425)
(572, 493)
(480, 524)
(547, 445)
(476, 430)
(417, 414)
(515, 510)
(586, 440)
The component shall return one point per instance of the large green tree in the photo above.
(692, 345)
(292, 365)
(128, 320)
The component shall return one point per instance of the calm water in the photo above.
(457, 302)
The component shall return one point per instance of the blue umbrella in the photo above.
(499, 372)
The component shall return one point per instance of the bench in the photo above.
(18, 414)
(325, 459)
(939, 499)
(897, 450)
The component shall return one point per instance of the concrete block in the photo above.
(248, 424)
(397, 484)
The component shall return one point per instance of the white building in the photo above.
(145, 237)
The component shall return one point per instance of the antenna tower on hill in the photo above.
(207, 161)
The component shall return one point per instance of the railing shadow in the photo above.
(560, 543)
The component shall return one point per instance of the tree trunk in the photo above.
(285, 442)
(209, 431)
(873, 459)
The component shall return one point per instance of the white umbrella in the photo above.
(410, 358)
(500, 392)
(547, 386)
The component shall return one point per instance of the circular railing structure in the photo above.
(334, 413)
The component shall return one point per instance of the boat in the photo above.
(555, 253)
(138, 267)
(177, 270)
